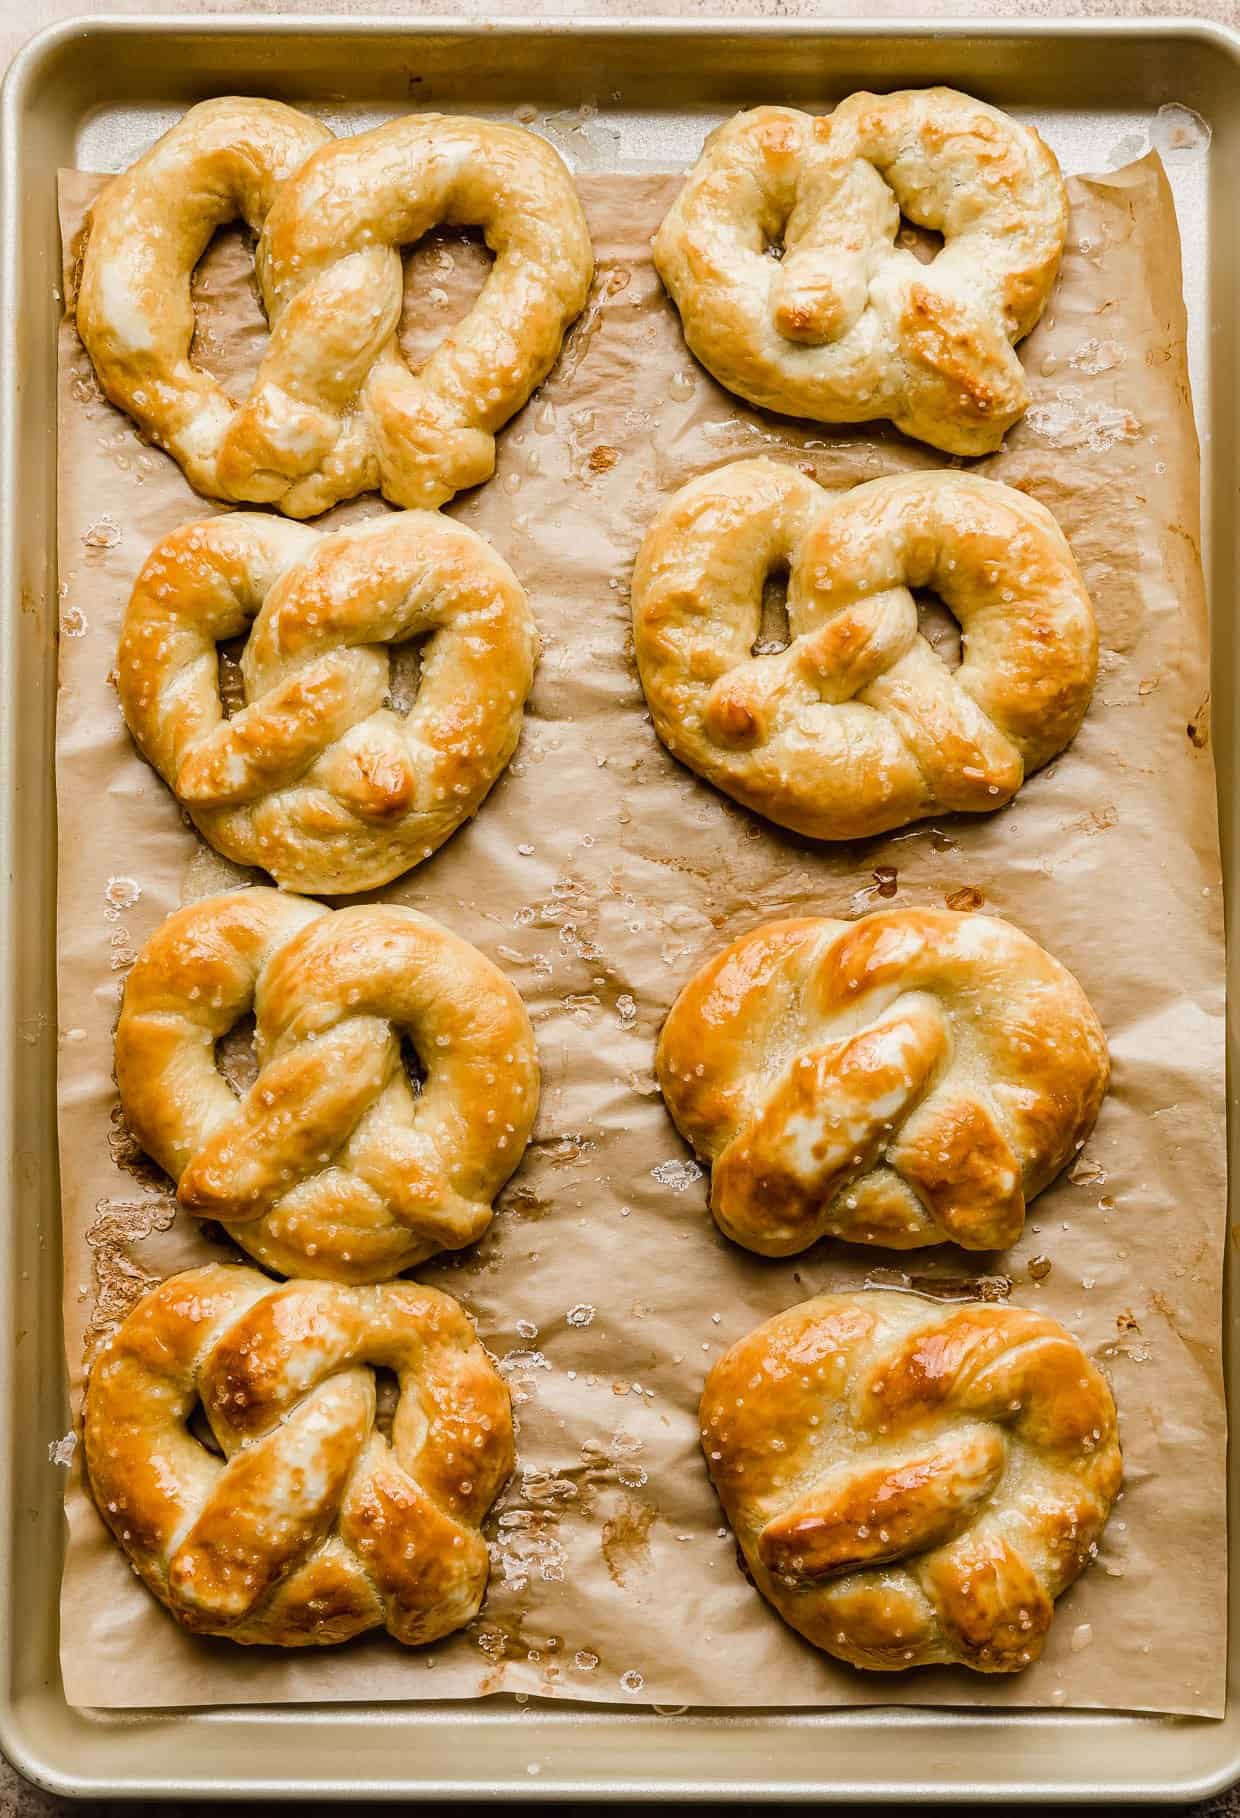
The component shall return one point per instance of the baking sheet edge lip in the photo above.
(246, 24)
(646, 1790)
(10, 1741)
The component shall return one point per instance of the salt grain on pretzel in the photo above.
(846, 325)
(316, 778)
(911, 1483)
(334, 410)
(858, 725)
(330, 1164)
(302, 1524)
(911, 1078)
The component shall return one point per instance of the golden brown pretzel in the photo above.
(329, 1165)
(334, 411)
(316, 778)
(911, 1482)
(312, 1526)
(858, 725)
(846, 325)
(909, 1078)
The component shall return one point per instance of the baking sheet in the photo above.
(599, 874)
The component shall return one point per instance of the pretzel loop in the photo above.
(910, 1483)
(312, 1526)
(333, 410)
(858, 725)
(845, 325)
(329, 1165)
(911, 1078)
(317, 778)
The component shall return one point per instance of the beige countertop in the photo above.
(20, 19)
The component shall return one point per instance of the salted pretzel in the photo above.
(317, 778)
(844, 325)
(911, 1078)
(859, 725)
(913, 1483)
(330, 1164)
(334, 410)
(293, 1519)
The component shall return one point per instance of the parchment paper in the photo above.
(599, 874)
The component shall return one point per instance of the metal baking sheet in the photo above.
(90, 93)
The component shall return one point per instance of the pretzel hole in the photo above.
(230, 680)
(925, 243)
(236, 1057)
(939, 627)
(224, 290)
(774, 631)
(404, 674)
(200, 1429)
(444, 273)
(387, 1394)
(411, 1061)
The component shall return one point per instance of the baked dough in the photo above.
(312, 1526)
(329, 1165)
(317, 780)
(911, 1078)
(913, 1483)
(845, 325)
(858, 725)
(334, 410)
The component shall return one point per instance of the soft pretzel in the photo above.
(312, 1526)
(317, 779)
(913, 1483)
(911, 1078)
(846, 326)
(334, 410)
(330, 1164)
(858, 725)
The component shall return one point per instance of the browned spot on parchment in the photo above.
(626, 1540)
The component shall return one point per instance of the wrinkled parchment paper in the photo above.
(599, 874)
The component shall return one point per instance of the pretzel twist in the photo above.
(312, 1526)
(858, 726)
(911, 1078)
(329, 1165)
(911, 1483)
(317, 778)
(846, 325)
(334, 410)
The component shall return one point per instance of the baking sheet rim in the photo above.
(22, 77)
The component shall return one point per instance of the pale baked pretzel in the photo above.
(847, 326)
(330, 1164)
(858, 725)
(910, 1078)
(913, 1483)
(312, 1526)
(317, 779)
(333, 411)
(329, 261)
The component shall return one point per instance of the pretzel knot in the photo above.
(858, 725)
(910, 1483)
(312, 1526)
(330, 1164)
(910, 1078)
(318, 778)
(844, 325)
(334, 410)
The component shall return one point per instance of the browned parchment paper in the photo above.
(599, 874)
